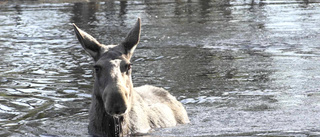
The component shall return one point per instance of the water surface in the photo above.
(239, 67)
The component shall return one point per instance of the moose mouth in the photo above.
(116, 113)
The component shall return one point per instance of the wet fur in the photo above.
(118, 107)
(153, 108)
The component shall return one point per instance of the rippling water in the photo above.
(239, 67)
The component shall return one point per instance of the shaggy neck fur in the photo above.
(101, 123)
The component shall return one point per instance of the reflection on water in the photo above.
(246, 67)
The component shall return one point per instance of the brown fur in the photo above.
(116, 105)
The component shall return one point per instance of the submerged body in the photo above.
(116, 106)
(152, 107)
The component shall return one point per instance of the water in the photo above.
(240, 68)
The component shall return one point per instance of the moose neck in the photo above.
(101, 123)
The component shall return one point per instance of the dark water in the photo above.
(240, 68)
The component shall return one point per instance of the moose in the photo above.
(116, 106)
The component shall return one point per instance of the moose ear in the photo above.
(90, 44)
(132, 39)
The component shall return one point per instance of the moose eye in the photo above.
(97, 68)
(129, 66)
(126, 68)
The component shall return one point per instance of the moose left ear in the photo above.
(90, 44)
(132, 39)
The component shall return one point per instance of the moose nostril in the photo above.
(117, 112)
(120, 110)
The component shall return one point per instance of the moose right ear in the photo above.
(90, 44)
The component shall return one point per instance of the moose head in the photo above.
(113, 85)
